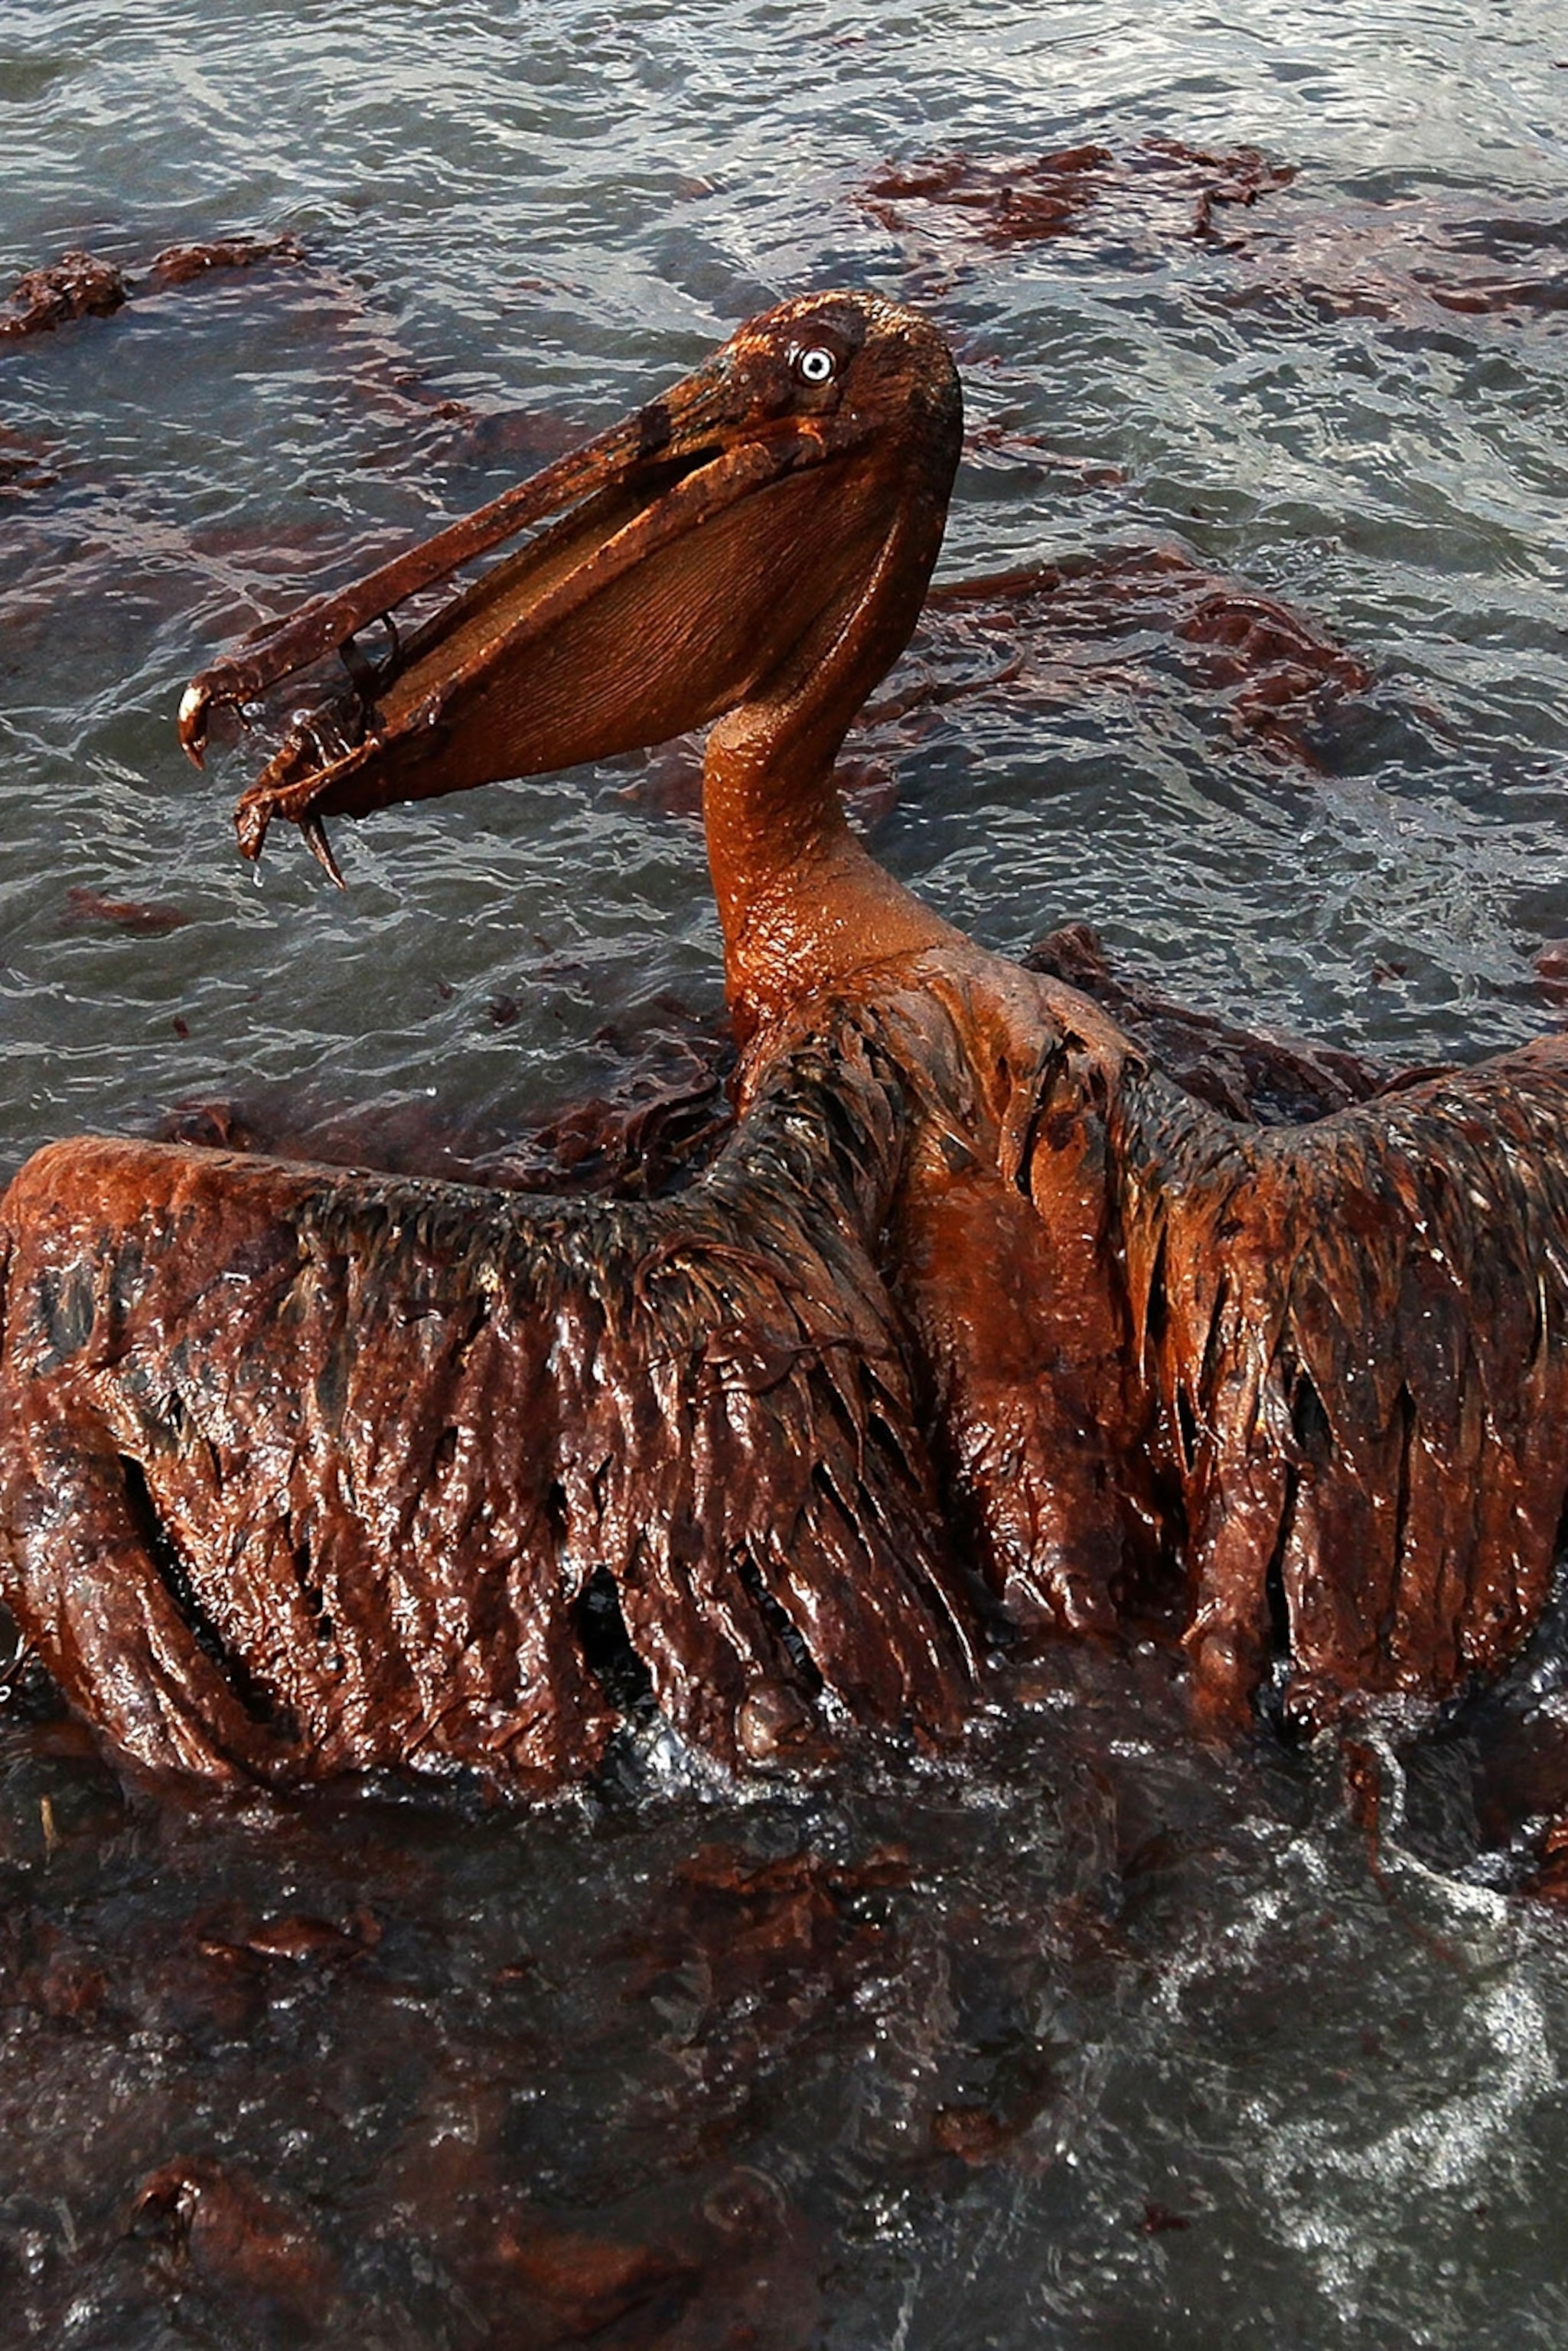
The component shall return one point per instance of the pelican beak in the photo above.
(673, 561)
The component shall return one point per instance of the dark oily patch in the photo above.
(77, 285)
(1159, 188)
(1038, 635)
(144, 916)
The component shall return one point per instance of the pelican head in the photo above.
(679, 566)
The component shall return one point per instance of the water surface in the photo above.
(1094, 2041)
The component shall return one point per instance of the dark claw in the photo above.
(321, 849)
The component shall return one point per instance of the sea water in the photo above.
(1090, 2037)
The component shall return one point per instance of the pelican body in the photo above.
(976, 1311)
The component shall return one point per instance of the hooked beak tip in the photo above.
(321, 849)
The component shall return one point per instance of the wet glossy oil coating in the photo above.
(1356, 1337)
(311, 1472)
(305, 1470)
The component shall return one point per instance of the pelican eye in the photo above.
(815, 364)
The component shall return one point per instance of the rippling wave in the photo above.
(1264, 327)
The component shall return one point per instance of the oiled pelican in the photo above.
(305, 1470)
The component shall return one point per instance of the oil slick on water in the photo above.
(1092, 2039)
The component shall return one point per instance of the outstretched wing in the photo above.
(303, 1471)
(1357, 1336)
